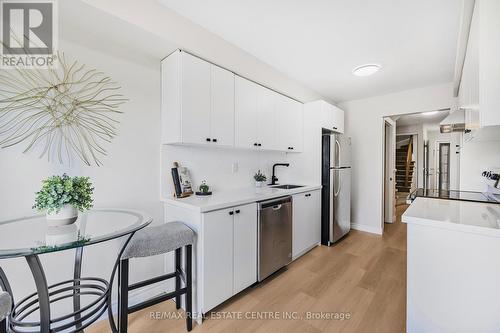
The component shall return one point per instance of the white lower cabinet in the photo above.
(229, 253)
(217, 257)
(244, 247)
(306, 222)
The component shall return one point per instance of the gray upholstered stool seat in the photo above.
(168, 237)
(158, 240)
(5, 305)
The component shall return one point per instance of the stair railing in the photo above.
(409, 158)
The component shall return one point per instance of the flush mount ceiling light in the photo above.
(366, 70)
(430, 113)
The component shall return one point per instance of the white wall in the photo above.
(128, 179)
(215, 165)
(151, 16)
(477, 157)
(365, 126)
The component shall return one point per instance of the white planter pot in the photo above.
(62, 234)
(259, 184)
(66, 215)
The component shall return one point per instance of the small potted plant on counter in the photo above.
(61, 197)
(260, 179)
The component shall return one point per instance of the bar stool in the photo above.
(5, 307)
(149, 242)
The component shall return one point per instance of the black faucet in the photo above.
(274, 179)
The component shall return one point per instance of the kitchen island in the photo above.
(453, 270)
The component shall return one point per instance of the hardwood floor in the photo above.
(364, 275)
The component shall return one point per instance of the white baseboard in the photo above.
(366, 228)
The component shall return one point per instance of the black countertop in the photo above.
(456, 195)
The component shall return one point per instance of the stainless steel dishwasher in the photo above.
(275, 235)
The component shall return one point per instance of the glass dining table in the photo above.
(30, 237)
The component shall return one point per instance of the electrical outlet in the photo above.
(234, 167)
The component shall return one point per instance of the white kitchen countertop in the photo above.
(230, 198)
(465, 216)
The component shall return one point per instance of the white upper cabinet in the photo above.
(254, 115)
(266, 130)
(289, 121)
(204, 104)
(338, 119)
(480, 82)
(332, 117)
(197, 101)
(222, 110)
(245, 101)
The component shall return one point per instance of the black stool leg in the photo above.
(3, 326)
(123, 296)
(189, 310)
(177, 277)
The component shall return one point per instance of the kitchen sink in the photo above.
(287, 186)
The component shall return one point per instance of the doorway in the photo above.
(443, 167)
(389, 209)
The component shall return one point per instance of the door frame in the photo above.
(389, 172)
(437, 160)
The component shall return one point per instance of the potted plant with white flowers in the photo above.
(61, 197)
(260, 179)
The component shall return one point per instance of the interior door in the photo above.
(444, 166)
(222, 108)
(389, 171)
(195, 99)
(245, 246)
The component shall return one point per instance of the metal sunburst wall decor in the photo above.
(61, 112)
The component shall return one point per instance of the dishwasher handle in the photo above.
(275, 204)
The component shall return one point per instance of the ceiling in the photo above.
(109, 33)
(319, 42)
(421, 119)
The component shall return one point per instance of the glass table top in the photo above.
(32, 235)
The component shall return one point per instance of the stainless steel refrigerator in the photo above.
(336, 187)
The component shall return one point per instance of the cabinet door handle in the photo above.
(231, 213)
(334, 127)
(214, 140)
(259, 144)
(308, 195)
(208, 139)
(237, 211)
(255, 144)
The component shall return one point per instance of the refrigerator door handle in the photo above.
(337, 153)
(338, 185)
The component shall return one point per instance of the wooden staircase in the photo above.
(405, 167)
